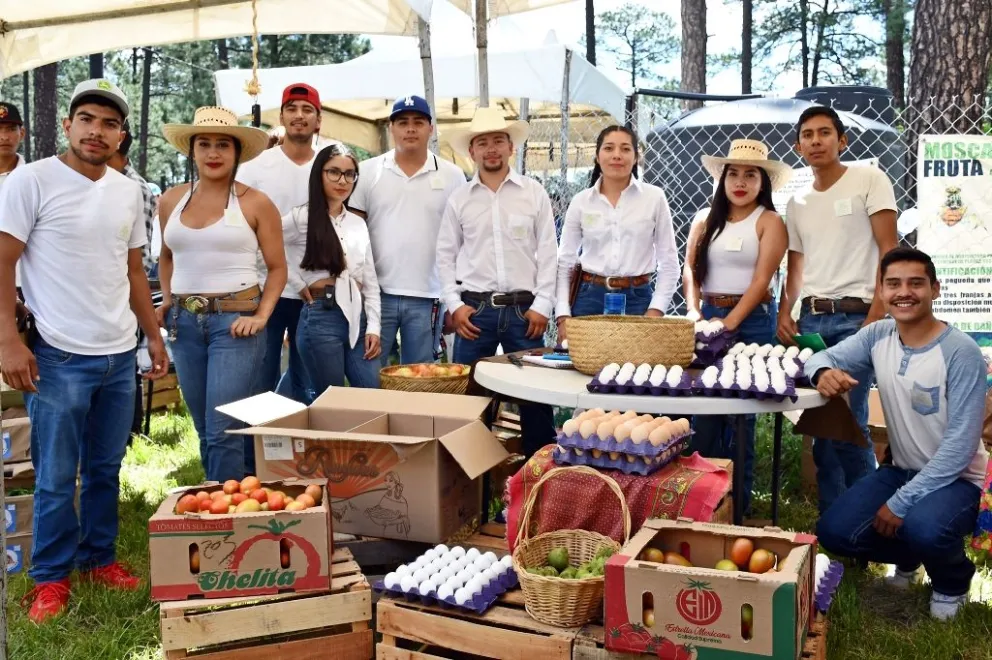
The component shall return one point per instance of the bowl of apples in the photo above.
(426, 377)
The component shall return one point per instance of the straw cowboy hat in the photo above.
(215, 120)
(487, 120)
(749, 153)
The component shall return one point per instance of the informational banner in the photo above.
(954, 193)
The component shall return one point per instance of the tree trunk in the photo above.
(45, 111)
(273, 52)
(804, 39)
(895, 49)
(26, 114)
(223, 57)
(821, 27)
(693, 50)
(96, 65)
(591, 32)
(746, 46)
(146, 86)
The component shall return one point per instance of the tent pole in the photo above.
(522, 148)
(424, 35)
(565, 109)
(482, 44)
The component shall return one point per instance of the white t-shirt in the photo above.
(832, 230)
(77, 234)
(404, 216)
(284, 182)
(3, 177)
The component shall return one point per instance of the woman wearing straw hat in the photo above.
(214, 308)
(731, 258)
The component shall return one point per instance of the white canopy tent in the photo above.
(550, 85)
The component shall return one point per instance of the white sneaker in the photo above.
(902, 579)
(946, 607)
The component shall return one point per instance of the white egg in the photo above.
(420, 575)
(472, 554)
(436, 565)
(430, 555)
(490, 574)
(458, 552)
(403, 570)
(392, 580)
(426, 587)
(454, 582)
(491, 556)
(462, 596)
(445, 591)
(507, 561)
(465, 575)
(408, 584)
(441, 548)
(474, 585)
(445, 574)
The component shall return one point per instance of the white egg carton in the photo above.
(452, 577)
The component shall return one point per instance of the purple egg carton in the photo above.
(827, 587)
(683, 388)
(480, 602)
(752, 392)
(723, 335)
(669, 452)
(611, 444)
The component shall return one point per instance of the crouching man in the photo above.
(931, 378)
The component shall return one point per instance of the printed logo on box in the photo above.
(698, 603)
(10, 515)
(6, 445)
(15, 559)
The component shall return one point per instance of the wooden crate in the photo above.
(165, 392)
(411, 631)
(816, 641)
(318, 625)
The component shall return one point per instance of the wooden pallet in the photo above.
(165, 392)
(310, 626)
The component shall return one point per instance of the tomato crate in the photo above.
(412, 631)
(332, 624)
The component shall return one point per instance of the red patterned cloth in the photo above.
(691, 487)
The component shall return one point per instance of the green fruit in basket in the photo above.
(605, 552)
(535, 571)
(550, 571)
(583, 573)
(558, 558)
(569, 573)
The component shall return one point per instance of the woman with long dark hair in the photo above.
(213, 307)
(617, 238)
(331, 265)
(731, 258)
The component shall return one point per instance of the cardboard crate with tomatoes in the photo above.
(680, 588)
(247, 538)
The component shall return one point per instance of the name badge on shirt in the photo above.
(735, 244)
(843, 207)
(591, 219)
(124, 233)
(437, 181)
(231, 218)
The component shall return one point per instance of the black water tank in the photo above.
(871, 102)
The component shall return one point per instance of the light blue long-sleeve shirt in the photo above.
(933, 399)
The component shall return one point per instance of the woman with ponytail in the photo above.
(731, 258)
(617, 238)
(330, 264)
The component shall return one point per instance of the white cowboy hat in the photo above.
(215, 120)
(487, 120)
(749, 153)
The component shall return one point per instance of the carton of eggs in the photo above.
(640, 379)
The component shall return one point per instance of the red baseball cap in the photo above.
(301, 92)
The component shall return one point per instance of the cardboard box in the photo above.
(702, 607)
(399, 465)
(876, 421)
(18, 476)
(19, 514)
(18, 552)
(16, 430)
(240, 555)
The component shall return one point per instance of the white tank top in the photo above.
(220, 258)
(733, 255)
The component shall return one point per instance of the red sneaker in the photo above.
(114, 576)
(48, 599)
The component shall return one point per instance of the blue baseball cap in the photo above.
(416, 104)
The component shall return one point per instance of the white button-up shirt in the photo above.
(499, 241)
(635, 238)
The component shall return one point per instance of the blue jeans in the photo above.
(589, 301)
(715, 435)
(284, 320)
(839, 465)
(327, 356)
(932, 533)
(80, 420)
(506, 326)
(411, 317)
(214, 369)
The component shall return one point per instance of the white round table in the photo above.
(567, 388)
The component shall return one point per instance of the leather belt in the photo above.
(220, 303)
(615, 282)
(495, 299)
(725, 301)
(819, 306)
(317, 289)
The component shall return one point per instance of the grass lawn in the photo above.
(868, 622)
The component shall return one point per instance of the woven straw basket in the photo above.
(596, 341)
(555, 601)
(445, 385)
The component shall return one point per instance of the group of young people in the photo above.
(342, 256)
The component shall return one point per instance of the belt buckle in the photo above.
(492, 300)
(196, 304)
(610, 287)
(814, 312)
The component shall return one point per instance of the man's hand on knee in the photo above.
(887, 523)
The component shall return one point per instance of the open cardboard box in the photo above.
(18, 552)
(19, 514)
(203, 555)
(400, 465)
(16, 430)
(704, 607)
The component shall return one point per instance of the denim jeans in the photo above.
(506, 326)
(411, 317)
(932, 533)
(327, 356)
(589, 301)
(839, 465)
(214, 369)
(292, 384)
(80, 420)
(715, 435)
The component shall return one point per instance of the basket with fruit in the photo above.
(426, 377)
(561, 572)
